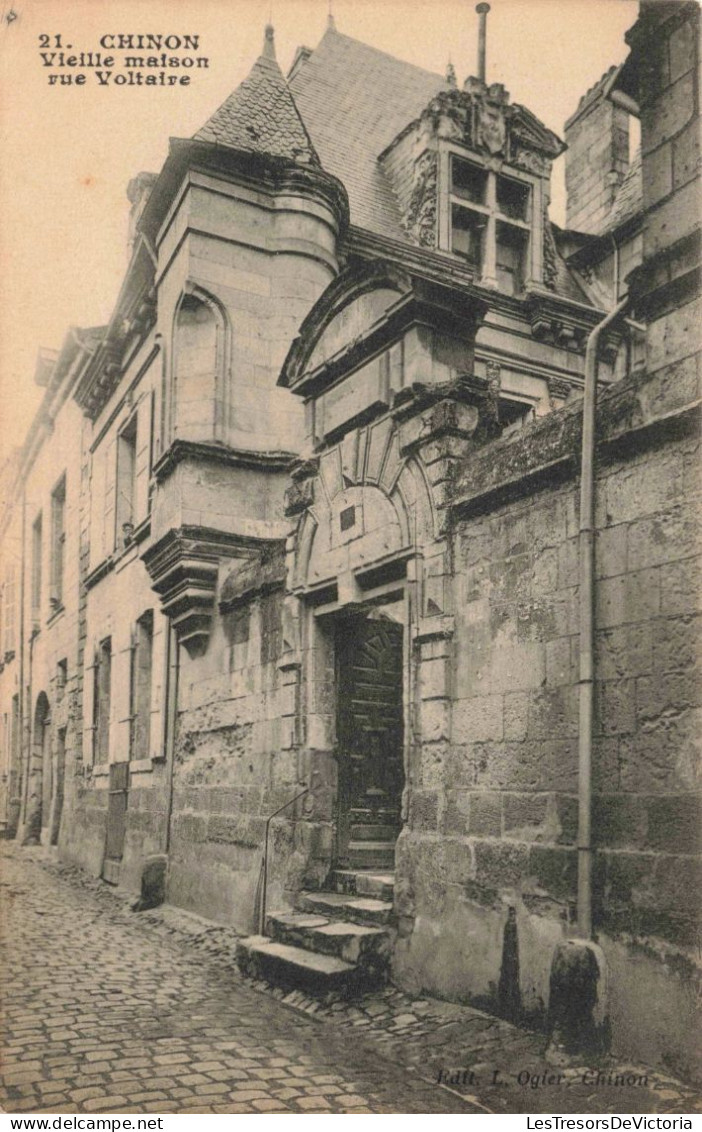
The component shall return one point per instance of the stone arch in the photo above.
(387, 506)
(39, 783)
(199, 401)
(380, 284)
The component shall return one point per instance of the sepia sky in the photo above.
(68, 152)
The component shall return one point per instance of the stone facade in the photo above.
(312, 498)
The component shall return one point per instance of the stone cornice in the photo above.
(133, 318)
(203, 452)
(563, 322)
(183, 566)
(548, 452)
(260, 171)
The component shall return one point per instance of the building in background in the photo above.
(297, 534)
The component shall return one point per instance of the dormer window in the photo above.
(491, 219)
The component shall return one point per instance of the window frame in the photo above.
(102, 701)
(57, 563)
(533, 226)
(127, 441)
(36, 577)
(141, 690)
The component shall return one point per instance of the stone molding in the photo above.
(184, 567)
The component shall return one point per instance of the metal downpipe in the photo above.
(586, 556)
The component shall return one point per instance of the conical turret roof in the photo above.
(260, 115)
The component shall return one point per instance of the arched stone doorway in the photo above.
(39, 784)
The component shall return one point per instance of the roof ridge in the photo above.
(378, 51)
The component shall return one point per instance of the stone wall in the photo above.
(493, 821)
(233, 768)
(597, 136)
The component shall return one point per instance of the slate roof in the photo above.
(354, 100)
(344, 104)
(629, 199)
(260, 116)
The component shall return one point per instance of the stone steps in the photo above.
(358, 883)
(354, 943)
(263, 958)
(335, 943)
(353, 909)
(372, 854)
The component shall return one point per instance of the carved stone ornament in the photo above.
(421, 212)
(558, 388)
(493, 372)
(492, 128)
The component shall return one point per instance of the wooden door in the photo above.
(370, 740)
(116, 821)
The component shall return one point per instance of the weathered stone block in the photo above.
(681, 587)
(500, 865)
(624, 651)
(666, 117)
(618, 821)
(457, 812)
(434, 676)
(664, 756)
(628, 878)
(566, 808)
(615, 707)
(554, 870)
(676, 643)
(681, 52)
(658, 182)
(660, 697)
(435, 720)
(610, 551)
(558, 662)
(674, 824)
(677, 883)
(655, 486)
(553, 713)
(478, 720)
(187, 827)
(516, 715)
(485, 815)
(673, 336)
(525, 816)
(632, 597)
(424, 811)
(686, 155)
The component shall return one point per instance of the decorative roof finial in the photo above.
(269, 43)
(331, 22)
(482, 10)
(451, 75)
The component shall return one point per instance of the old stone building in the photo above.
(296, 586)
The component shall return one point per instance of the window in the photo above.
(61, 679)
(58, 540)
(102, 678)
(9, 611)
(490, 224)
(126, 482)
(140, 688)
(514, 414)
(36, 567)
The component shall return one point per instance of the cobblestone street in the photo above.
(108, 1011)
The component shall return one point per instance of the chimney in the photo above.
(597, 158)
(138, 191)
